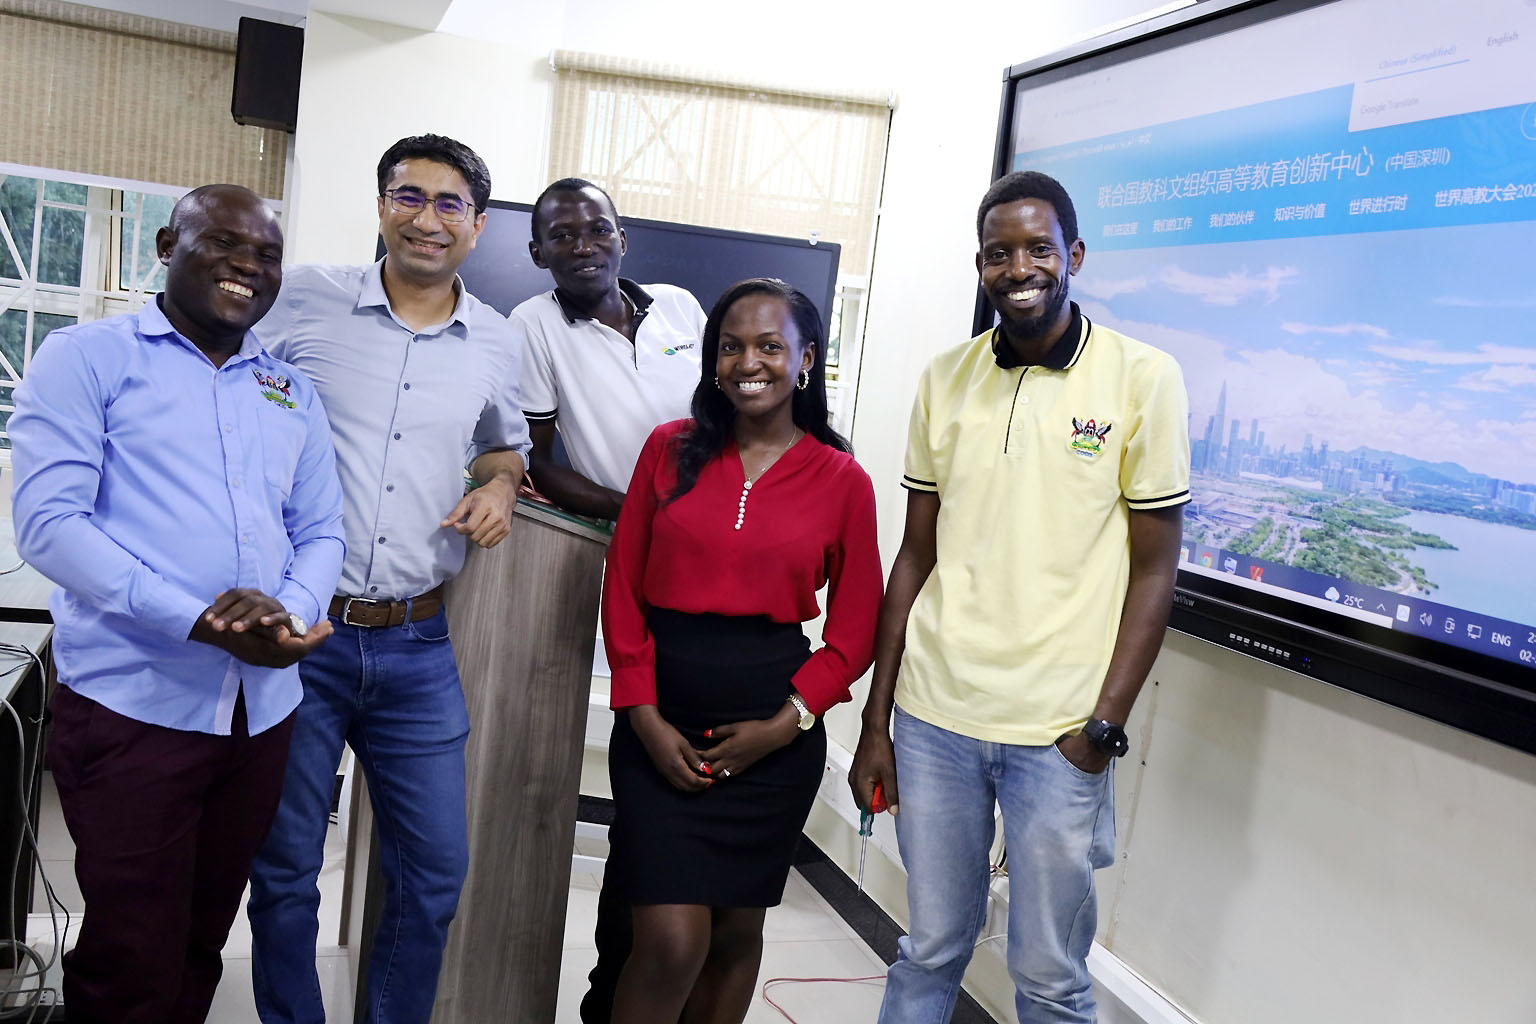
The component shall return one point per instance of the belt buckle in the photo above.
(346, 610)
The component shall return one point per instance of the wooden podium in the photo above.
(523, 616)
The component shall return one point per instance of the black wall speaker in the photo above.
(268, 57)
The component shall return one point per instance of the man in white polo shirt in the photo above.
(608, 360)
(1047, 468)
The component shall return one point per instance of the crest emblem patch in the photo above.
(274, 389)
(1087, 438)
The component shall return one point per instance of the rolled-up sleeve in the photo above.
(502, 426)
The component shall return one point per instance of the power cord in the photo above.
(998, 869)
(30, 965)
(880, 978)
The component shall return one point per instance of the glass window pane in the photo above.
(835, 337)
(13, 332)
(45, 323)
(18, 205)
(63, 246)
(7, 403)
(13, 338)
(154, 212)
(64, 192)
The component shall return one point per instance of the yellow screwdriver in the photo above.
(867, 825)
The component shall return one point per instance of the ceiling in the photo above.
(226, 14)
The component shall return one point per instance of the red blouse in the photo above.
(809, 522)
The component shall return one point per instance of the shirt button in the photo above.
(389, 487)
(229, 428)
(1023, 400)
(373, 590)
(381, 540)
(407, 385)
(397, 435)
(235, 483)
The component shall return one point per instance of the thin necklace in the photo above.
(746, 487)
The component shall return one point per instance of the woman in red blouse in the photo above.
(733, 521)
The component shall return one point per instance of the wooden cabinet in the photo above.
(524, 619)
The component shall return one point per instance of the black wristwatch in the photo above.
(1107, 736)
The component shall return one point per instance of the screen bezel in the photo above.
(1465, 689)
(824, 302)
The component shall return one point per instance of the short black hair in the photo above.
(1021, 185)
(569, 185)
(443, 150)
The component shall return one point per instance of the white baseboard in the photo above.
(1141, 1003)
(1137, 1001)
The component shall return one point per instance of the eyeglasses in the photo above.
(450, 208)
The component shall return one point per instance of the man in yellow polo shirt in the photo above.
(1047, 468)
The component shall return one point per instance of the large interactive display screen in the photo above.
(706, 261)
(1326, 211)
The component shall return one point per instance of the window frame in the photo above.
(105, 289)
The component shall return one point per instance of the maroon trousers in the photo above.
(165, 824)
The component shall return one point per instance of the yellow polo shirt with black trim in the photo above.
(1037, 469)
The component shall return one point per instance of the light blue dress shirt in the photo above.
(409, 411)
(147, 483)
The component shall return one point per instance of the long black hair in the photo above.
(713, 414)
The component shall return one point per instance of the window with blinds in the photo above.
(98, 92)
(676, 144)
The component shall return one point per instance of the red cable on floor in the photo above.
(778, 981)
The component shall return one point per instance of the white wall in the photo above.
(366, 84)
(1294, 852)
(1289, 851)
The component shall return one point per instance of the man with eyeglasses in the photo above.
(417, 377)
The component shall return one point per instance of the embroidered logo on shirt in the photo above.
(1087, 438)
(675, 349)
(274, 389)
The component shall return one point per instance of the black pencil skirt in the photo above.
(730, 845)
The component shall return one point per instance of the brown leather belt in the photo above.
(359, 611)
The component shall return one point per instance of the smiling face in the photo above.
(423, 248)
(223, 259)
(1025, 264)
(761, 355)
(580, 243)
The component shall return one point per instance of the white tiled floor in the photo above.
(803, 938)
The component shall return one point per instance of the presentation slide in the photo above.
(1334, 232)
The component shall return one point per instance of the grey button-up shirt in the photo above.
(409, 411)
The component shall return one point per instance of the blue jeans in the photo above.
(393, 694)
(1058, 825)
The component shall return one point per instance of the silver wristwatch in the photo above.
(296, 625)
(806, 718)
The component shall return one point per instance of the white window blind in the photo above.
(672, 143)
(98, 92)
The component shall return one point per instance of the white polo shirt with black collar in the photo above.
(609, 393)
(1038, 469)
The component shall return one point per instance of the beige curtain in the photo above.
(672, 143)
(99, 92)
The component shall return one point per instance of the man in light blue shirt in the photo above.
(420, 381)
(178, 483)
